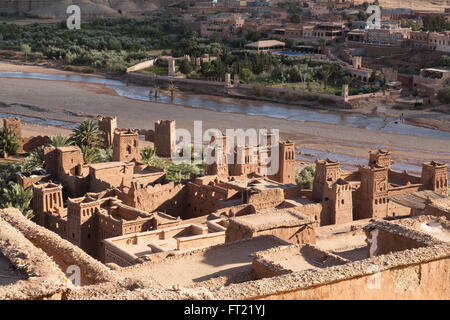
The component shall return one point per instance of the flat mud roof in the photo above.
(187, 269)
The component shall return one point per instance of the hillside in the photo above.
(426, 5)
(90, 8)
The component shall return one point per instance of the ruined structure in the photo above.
(366, 193)
(87, 220)
(130, 249)
(126, 145)
(165, 139)
(286, 224)
(248, 160)
(108, 126)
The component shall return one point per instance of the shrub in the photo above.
(9, 142)
(305, 177)
(444, 94)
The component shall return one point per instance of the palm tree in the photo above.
(34, 160)
(326, 73)
(60, 141)
(87, 134)
(9, 142)
(106, 154)
(14, 195)
(148, 155)
(90, 155)
(346, 79)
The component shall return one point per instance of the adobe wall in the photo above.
(29, 144)
(203, 199)
(26, 182)
(61, 251)
(388, 242)
(236, 211)
(125, 145)
(77, 186)
(169, 198)
(266, 267)
(148, 134)
(311, 210)
(423, 281)
(404, 177)
(421, 273)
(142, 65)
(397, 210)
(42, 277)
(438, 208)
(198, 241)
(198, 86)
(266, 199)
(104, 178)
(292, 193)
(292, 234)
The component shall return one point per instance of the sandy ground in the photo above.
(70, 101)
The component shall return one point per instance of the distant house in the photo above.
(265, 45)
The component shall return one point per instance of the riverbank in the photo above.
(425, 118)
(75, 101)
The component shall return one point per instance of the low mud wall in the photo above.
(63, 252)
(420, 273)
(42, 277)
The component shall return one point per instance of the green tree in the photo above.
(305, 177)
(186, 67)
(362, 16)
(326, 73)
(444, 94)
(9, 142)
(148, 155)
(435, 23)
(245, 75)
(34, 160)
(90, 155)
(87, 134)
(26, 50)
(106, 155)
(295, 18)
(15, 196)
(60, 141)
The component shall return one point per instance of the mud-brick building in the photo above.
(368, 191)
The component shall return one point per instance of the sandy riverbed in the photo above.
(71, 101)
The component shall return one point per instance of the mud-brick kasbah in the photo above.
(125, 217)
